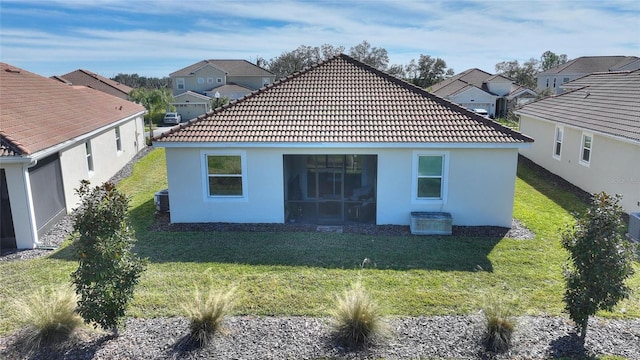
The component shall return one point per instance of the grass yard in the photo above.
(299, 273)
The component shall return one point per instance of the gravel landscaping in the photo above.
(252, 337)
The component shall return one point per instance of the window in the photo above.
(118, 140)
(585, 154)
(557, 148)
(87, 148)
(180, 83)
(429, 177)
(209, 80)
(225, 175)
(200, 80)
(219, 80)
(547, 82)
(564, 80)
(554, 83)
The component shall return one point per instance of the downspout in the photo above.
(30, 210)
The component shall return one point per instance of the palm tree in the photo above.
(154, 100)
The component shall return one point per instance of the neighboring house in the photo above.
(590, 136)
(190, 104)
(95, 81)
(52, 136)
(554, 78)
(231, 79)
(341, 142)
(477, 89)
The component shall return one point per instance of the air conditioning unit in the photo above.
(161, 199)
(634, 226)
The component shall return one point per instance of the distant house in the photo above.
(95, 81)
(477, 89)
(341, 142)
(590, 135)
(554, 78)
(48, 144)
(231, 79)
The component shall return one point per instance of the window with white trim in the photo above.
(219, 80)
(118, 139)
(89, 154)
(200, 80)
(180, 83)
(225, 175)
(585, 150)
(209, 80)
(430, 176)
(557, 143)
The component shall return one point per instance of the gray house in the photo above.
(231, 79)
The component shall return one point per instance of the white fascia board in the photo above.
(63, 145)
(303, 145)
(580, 128)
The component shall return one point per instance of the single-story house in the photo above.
(477, 89)
(341, 142)
(590, 135)
(190, 104)
(52, 136)
(95, 81)
(553, 79)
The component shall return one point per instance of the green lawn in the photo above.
(299, 273)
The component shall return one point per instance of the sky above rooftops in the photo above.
(155, 38)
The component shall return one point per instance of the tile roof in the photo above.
(607, 103)
(231, 67)
(341, 100)
(37, 112)
(95, 81)
(591, 64)
(475, 77)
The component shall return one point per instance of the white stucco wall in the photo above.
(25, 229)
(107, 160)
(480, 191)
(614, 166)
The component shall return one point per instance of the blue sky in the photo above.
(155, 38)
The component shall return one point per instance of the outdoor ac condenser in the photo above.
(634, 226)
(161, 199)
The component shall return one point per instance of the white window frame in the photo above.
(180, 84)
(210, 80)
(444, 190)
(89, 156)
(583, 147)
(200, 80)
(559, 131)
(118, 140)
(219, 80)
(205, 172)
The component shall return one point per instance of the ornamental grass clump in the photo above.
(357, 319)
(499, 326)
(48, 318)
(206, 311)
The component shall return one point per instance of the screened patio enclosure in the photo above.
(330, 189)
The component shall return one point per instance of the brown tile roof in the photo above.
(591, 64)
(95, 81)
(37, 112)
(342, 101)
(231, 67)
(608, 103)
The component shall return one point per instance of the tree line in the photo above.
(424, 71)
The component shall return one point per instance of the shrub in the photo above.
(356, 318)
(206, 313)
(48, 317)
(108, 270)
(499, 326)
(600, 260)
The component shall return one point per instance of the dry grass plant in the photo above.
(206, 311)
(47, 318)
(357, 319)
(499, 325)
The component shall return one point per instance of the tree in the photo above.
(429, 71)
(549, 60)
(137, 81)
(290, 62)
(154, 100)
(108, 270)
(524, 74)
(372, 56)
(600, 261)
